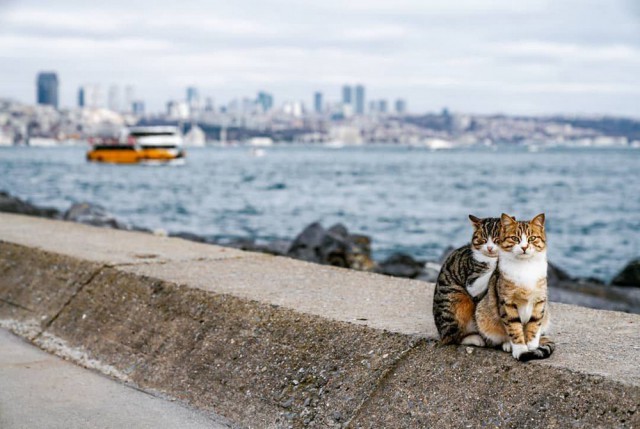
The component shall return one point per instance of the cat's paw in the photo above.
(473, 340)
(533, 344)
(506, 346)
(518, 349)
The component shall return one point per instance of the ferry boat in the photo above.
(143, 144)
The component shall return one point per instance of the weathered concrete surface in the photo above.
(272, 342)
(44, 391)
(36, 285)
(105, 246)
(467, 387)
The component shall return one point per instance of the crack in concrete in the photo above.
(68, 302)
(380, 382)
(15, 304)
(168, 261)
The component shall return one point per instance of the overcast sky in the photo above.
(484, 56)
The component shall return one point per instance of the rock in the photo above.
(189, 236)
(629, 276)
(276, 247)
(307, 244)
(430, 272)
(401, 265)
(92, 214)
(11, 204)
(334, 246)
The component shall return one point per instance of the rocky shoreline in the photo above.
(338, 247)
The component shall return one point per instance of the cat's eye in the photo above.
(514, 238)
(533, 238)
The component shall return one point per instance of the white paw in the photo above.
(533, 344)
(506, 346)
(518, 349)
(473, 340)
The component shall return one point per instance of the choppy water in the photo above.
(408, 200)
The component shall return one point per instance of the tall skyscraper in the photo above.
(193, 99)
(346, 95)
(401, 106)
(359, 107)
(89, 96)
(114, 98)
(208, 105)
(81, 101)
(317, 102)
(382, 106)
(137, 107)
(265, 101)
(129, 95)
(47, 89)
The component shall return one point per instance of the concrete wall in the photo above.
(272, 342)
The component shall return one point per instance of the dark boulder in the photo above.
(430, 272)
(629, 276)
(333, 246)
(11, 204)
(555, 275)
(92, 214)
(401, 265)
(307, 244)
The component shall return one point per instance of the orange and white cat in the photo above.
(514, 314)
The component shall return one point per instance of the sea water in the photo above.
(407, 199)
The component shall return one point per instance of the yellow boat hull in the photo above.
(133, 155)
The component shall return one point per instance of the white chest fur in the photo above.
(479, 286)
(523, 272)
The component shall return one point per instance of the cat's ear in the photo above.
(507, 220)
(475, 221)
(538, 220)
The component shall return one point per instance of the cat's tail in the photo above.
(544, 350)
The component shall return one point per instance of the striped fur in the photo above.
(462, 281)
(514, 314)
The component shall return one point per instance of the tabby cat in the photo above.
(514, 314)
(463, 281)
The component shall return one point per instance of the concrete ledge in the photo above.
(271, 342)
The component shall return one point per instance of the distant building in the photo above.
(401, 106)
(177, 110)
(193, 99)
(317, 102)
(89, 96)
(114, 98)
(265, 101)
(382, 106)
(47, 89)
(373, 106)
(359, 107)
(137, 107)
(81, 98)
(346, 95)
(293, 108)
(129, 95)
(208, 105)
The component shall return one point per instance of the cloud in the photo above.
(427, 51)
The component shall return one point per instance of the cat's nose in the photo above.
(489, 249)
(524, 248)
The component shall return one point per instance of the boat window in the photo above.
(113, 147)
(146, 146)
(151, 134)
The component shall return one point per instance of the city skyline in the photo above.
(534, 57)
